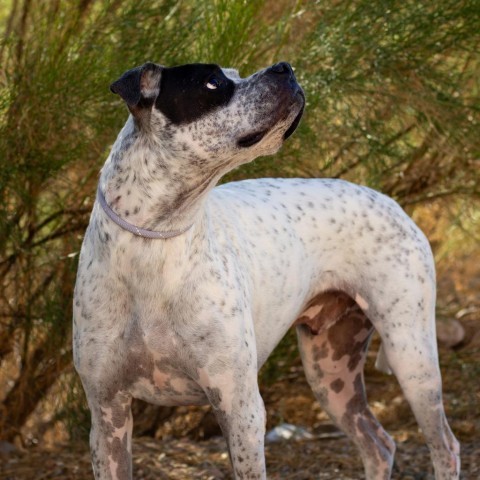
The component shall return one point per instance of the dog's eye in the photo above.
(213, 82)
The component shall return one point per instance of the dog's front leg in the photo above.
(240, 412)
(111, 436)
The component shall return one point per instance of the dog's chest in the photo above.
(136, 348)
(146, 319)
(160, 379)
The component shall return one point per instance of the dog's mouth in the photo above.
(295, 122)
(251, 139)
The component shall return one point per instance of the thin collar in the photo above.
(140, 232)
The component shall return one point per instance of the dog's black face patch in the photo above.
(188, 92)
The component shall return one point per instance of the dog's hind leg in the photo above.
(410, 346)
(333, 335)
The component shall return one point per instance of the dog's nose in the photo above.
(281, 68)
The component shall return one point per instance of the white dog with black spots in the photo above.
(184, 290)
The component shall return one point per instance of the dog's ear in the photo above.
(139, 87)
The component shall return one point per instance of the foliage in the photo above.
(393, 101)
(393, 97)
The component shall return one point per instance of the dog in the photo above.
(183, 290)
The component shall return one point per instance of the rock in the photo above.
(450, 332)
(286, 431)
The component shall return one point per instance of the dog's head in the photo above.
(212, 113)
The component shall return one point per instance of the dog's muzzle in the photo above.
(290, 96)
(285, 69)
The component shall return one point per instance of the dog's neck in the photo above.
(153, 188)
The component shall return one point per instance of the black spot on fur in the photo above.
(184, 95)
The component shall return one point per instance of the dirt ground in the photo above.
(185, 459)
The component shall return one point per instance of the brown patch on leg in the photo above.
(326, 309)
(348, 337)
(333, 353)
(337, 385)
(370, 436)
(347, 325)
